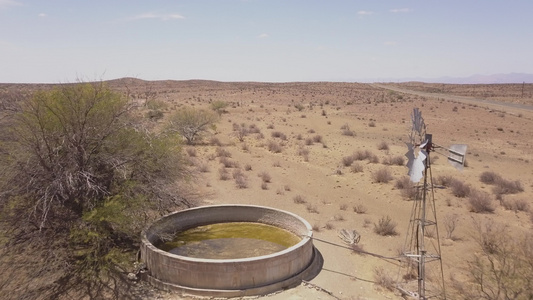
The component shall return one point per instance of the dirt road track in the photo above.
(496, 105)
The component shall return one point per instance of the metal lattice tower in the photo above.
(421, 275)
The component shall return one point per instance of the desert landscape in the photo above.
(334, 154)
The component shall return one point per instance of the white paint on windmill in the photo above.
(456, 156)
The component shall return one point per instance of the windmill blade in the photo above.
(456, 156)
(416, 157)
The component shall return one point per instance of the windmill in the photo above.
(422, 244)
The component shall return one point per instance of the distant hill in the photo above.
(474, 79)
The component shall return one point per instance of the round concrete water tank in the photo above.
(229, 277)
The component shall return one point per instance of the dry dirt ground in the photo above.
(305, 119)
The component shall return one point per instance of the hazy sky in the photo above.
(262, 40)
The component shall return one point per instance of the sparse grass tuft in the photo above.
(383, 279)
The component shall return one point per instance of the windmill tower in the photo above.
(421, 275)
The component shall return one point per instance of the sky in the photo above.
(58, 41)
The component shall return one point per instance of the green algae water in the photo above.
(230, 241)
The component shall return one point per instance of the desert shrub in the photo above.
(382, 175)
(191, 151)
(343, 206)
(221, 152)
(489, 177)
(408, 190)
(501, 266)
(345, 130)
(270, 126)
(316, 227)
(373, 159)
(450, 223)
(383, 279)
(191, 123)
(274, 146)
(338, 217)
(329, 226)
(504, 187)
(248, 167)
(223, 174)
(348, 160)
(240, 131)
(302, 151)
(515, 204)
(480, 202)
(361, 155)
(276, 164)
(264, 186)
(403, 183)
(459, 188)
(312, 209)
(444, 180)
(359, 209)
(358, 249)
(219, 106)
(317, 138)
(203, 167)
(394, 160)
(215, 141)
(278, 134)
(383, 146)
(385, 226)
(265, 177)
(371, 124)
(252, 128)
(79, 181)
(309, 141)
(287, 188)
(356, 168)
(240, 179)
(299, 199)
(228, 163)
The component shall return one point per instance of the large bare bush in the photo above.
(502, 266)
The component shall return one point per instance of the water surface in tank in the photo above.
(230, 240)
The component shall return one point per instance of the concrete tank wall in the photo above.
(227, 274)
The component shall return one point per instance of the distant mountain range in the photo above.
(474, 79)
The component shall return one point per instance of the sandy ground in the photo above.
(498, 140)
